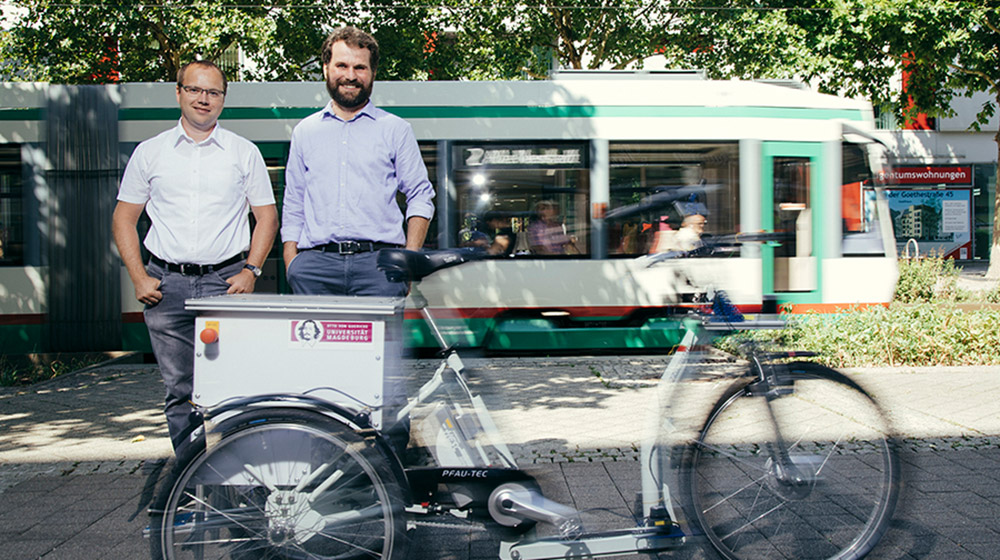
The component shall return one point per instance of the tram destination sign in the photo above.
(525, 156)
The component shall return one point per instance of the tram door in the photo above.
(790, 182)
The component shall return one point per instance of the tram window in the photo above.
(862, 232)
(856, 175)
(536, 195)
(794, 265)
(11, 213)
(639, 169)
(792, 208)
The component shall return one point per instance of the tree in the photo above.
(86, 41)
(746, 40)
(946, 48)
(90, 41)
(510, 39)
(861, 48)
(847, 47)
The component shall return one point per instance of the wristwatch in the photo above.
(256, 271)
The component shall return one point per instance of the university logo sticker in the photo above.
(311, 332)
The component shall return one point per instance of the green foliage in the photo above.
(103, 41)
(929, 279)
(741, 40)
(858, 47)
(913, 335)
(854, 47)
(95, 41)
(924, 326)
(923, 334)
(506, 39)
(992, 296)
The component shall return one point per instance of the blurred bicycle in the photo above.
(795, 460)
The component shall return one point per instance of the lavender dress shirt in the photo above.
(342, 178)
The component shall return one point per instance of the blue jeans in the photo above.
(332, 274)
(171, 331)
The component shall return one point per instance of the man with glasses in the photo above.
(198, 183)
(346, 165)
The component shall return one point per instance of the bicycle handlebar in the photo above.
(403, 265)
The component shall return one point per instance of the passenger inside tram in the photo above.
(499, 226)
(548, 232)
(686, 238)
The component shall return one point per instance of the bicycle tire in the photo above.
(285, 484)
(839, 442)
(172, 471)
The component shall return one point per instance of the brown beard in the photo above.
(359, 100)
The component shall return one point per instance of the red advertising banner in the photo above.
(929, 175)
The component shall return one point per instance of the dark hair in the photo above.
(203, 64)
(354, 37)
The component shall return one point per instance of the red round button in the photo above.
(209, 336)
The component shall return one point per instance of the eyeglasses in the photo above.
(196, 91)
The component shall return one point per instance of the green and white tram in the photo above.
(772, 158)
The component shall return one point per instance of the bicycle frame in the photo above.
(461, 433)
(654, 457)
(659, 531)
(474, 470)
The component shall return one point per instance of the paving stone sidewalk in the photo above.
(79, 455)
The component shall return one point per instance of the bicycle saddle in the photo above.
(403, 265)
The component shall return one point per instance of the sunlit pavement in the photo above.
(78, 454)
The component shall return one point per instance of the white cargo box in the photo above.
(341, 349)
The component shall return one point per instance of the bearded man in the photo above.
(347, 163)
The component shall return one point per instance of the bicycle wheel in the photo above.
(828, 492)
(286, 485)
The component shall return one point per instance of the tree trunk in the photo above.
(994, 270)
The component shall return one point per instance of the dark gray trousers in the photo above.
(171, 331)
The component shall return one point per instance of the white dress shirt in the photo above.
(197, 194)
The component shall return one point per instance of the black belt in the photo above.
(351, 247)
(195, 269)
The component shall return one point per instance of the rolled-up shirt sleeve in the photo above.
(292, 212)
(412, 176)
